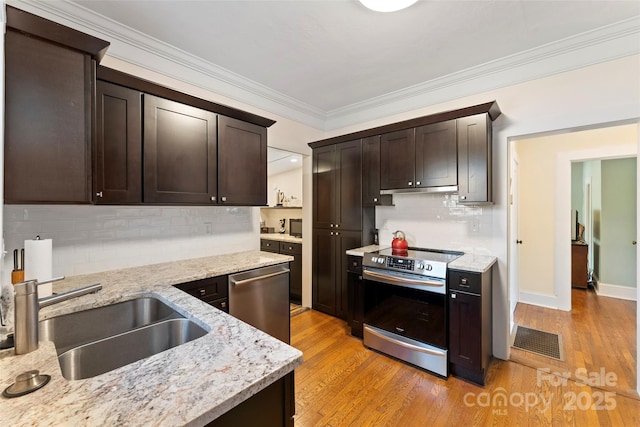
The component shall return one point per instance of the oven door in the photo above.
(407, 305)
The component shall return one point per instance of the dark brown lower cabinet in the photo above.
(330, 291)
(355, 315)
(272, 407)
(470, 335)
(295, 266)
(214, 291)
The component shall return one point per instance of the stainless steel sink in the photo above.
(74, 329)
(95, 341)
(110, 353)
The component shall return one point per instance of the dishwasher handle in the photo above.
(253, 279)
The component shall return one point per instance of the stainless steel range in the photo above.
(405, 305)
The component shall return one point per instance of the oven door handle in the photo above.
(406, 345)
(401, 280)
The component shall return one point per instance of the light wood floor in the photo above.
(598, 333)
(341, 383)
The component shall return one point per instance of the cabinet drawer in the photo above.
(290, 248)
(221, 304)
(465, 281)
(354, 264)
(269, 245)
(207, 290)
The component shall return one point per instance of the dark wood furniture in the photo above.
(355, 315)
(273, 406)
(117, 169)
(340, 222)
(214, 291)
(189, 156)
(371, 174)
(448, 151)
(180, 159)
(49, 87)
(295, 266)
(470, 324)
(579, 265)
(474, 159)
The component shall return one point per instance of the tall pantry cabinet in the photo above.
(340, 222)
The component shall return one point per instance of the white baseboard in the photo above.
(542, 300)
(617, 291)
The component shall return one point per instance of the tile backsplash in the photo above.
(437, 221)
(88, 239)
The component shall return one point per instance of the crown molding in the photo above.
(600, 45)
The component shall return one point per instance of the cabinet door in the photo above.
(48, 108)
(179, 153)
(355, 316)
(371, 171)
(465, 330)
(324, 187)
(324, 271)
(117, 174)
(344, 240)
(242, 163)
(436, 155)
(397, 159)
(474, 158)
(348, 194)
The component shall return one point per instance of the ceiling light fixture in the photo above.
(387, 5)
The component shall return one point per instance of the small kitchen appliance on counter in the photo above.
(405, 309)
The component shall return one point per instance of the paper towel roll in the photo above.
(38, 263)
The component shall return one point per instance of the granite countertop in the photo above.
(467, 262)
(191, 384)
(281, 237)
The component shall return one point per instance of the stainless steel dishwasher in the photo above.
(260, 298)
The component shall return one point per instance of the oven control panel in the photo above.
(410, 265)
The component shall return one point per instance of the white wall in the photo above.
(289, 182)
(537, 200)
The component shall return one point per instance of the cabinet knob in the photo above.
(223, 304)
(99, 194)
(331, 233)
(417, 182)
(410, 183)
(337, 225)
(223, 199)
(331, 225)
(375, 199)
(337, 233)
(463, 197)
(202, 292)
(453, 296)
(213, 198)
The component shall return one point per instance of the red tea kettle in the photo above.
(399, 243)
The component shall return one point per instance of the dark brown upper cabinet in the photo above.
(397, 159)
(49, 85)
(474, 159)
(242, 163)
(371, 174)
(117, 171)
(337, 186)
(436, 155)
(180, 159)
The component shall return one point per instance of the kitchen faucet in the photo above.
(27, 307)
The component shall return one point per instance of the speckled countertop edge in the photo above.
(191, 384)
(281, 237)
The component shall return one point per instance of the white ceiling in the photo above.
(328, 58)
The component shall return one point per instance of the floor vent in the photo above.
(539, 342)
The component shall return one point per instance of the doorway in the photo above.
(544, 216)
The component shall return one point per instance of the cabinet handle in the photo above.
(410, 183)
(375, 199)
(213, 198)
(417, 182)
(99, 194)
(202, 292)
(463, 281)
(223, 198)
(223, 304)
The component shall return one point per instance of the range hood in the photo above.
(443, 189)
